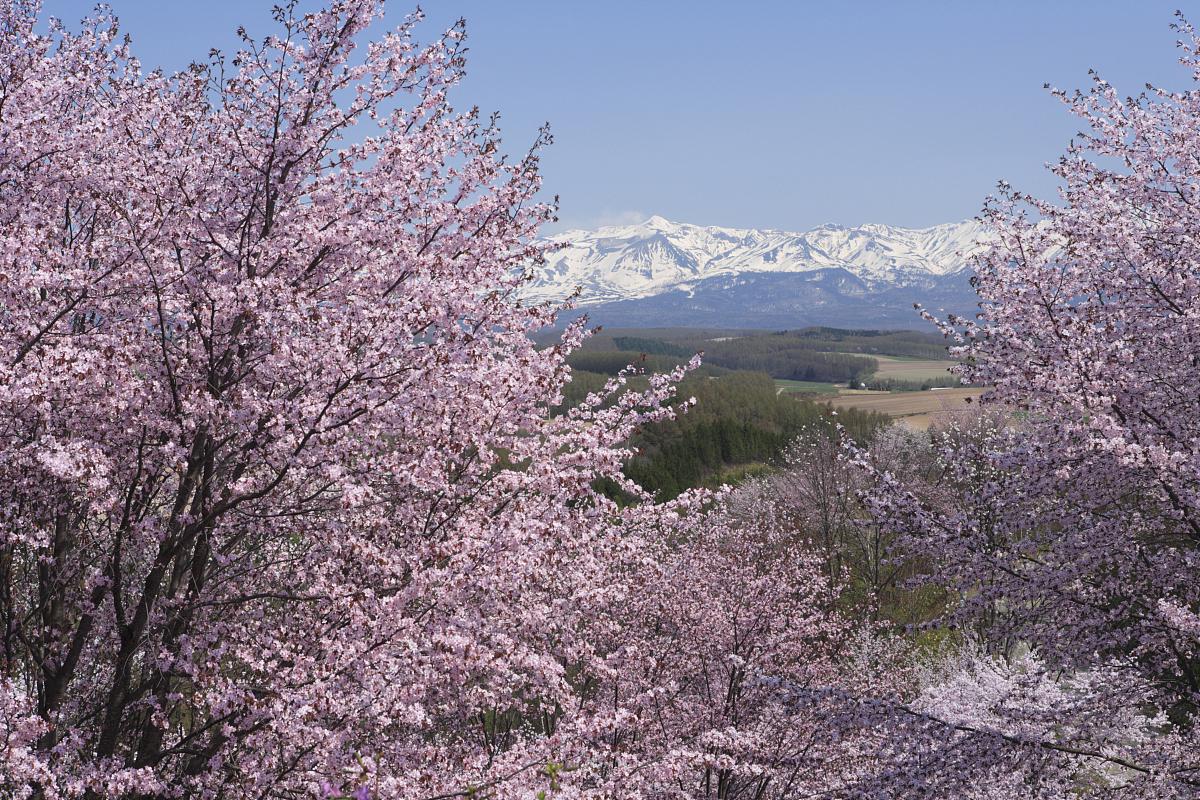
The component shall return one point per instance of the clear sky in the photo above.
(761, 113)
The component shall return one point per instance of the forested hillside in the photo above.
(740, 421)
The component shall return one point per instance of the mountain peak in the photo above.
(658, 255)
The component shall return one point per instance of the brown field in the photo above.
(917, 409)
(911, 369)
(918, 422)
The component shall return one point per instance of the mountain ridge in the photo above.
(660, 272)
(627, 262)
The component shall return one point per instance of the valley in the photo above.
(756, 391)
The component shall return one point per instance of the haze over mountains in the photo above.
(663, 273)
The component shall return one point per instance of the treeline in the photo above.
(779, 359)
(654, 347)
(901, 385)
(828, 340)
(919, 344)
(812, 354)
(685, 341)
(613, 361)
(778, 362)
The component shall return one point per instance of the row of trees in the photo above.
(788, 363)
(284, 511)
(918, 344)
(615, 362)
(903, 385)
(811, 354)
(803, 365)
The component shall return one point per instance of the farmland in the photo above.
(914, 409)
(902, 375)
(911, 369)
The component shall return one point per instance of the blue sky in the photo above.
(761, 113)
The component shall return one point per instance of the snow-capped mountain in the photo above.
(637, 261)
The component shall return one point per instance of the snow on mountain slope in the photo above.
(636, 261)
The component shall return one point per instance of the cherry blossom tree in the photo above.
(729, 666)
(282, 509)
(1075, 530)
(819, 487)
